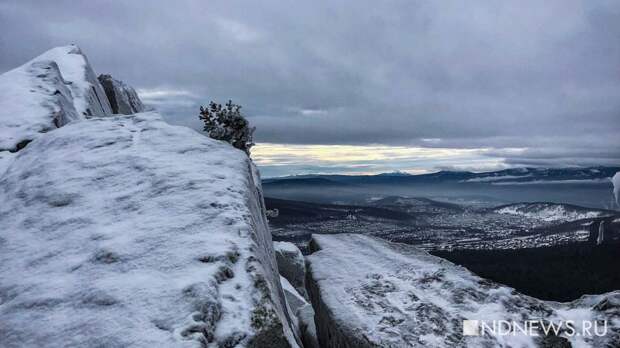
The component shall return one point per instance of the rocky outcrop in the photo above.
(88, 96)
(48, 92)
(291, 265)
(369, 292)
(123, 98)
(127, 231)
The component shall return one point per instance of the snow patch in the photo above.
(549, 212)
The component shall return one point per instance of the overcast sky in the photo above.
(343, 86)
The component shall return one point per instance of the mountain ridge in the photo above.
(527, 173)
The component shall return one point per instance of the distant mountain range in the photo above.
(516, 176)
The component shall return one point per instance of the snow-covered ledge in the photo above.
(368, 292)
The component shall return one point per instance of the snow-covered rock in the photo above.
(88, 95)
(301, 310)
(292, 265)
(127, 231)
(600, 238)
(123, 98)
(368, 292)
(551, 212)
(615, 180)
(48, 92)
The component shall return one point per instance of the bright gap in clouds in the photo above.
(164, 96)
(290, 159)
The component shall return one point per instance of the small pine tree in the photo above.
(227, 124)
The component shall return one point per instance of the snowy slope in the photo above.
(551, 212)
(127, 231)
(368, 292)
(50, 91)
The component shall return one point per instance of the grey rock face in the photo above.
(291, 265)
(123, 98)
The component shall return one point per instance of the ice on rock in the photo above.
(369, 292)
(123, 98)
(127, 231)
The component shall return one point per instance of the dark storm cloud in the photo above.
(542, 76)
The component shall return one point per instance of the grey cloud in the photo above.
(529, 74)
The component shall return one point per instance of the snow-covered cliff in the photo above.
(125, 230)
(368, 292)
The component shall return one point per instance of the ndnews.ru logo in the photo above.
(566, 328)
